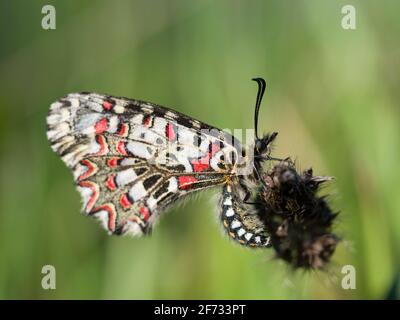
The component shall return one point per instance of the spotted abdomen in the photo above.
(240, 222)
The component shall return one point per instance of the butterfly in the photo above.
(133, 159)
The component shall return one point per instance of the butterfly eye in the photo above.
(260, 146)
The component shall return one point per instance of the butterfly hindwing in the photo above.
(131, 159)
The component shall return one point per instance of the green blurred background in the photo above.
(332, 95)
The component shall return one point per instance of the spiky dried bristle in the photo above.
(298, 220)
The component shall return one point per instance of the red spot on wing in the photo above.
(147, 121)
(121, 148)
(124, 201)
(101, 126)
(93, 197)
(111, 215)
(186, 182)
(91, 169)
(107, 105)
(144, 211)
(103, 147)
(170, 132)
(203, 163)
(110, 183)
(123, 130)
(112, 162)
(214, 149)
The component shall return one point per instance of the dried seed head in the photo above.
(298, 220)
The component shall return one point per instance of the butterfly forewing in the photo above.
(131, 159)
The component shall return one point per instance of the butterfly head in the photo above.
(262, 146)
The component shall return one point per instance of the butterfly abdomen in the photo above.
(240, 221)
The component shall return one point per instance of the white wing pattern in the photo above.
(131, 159)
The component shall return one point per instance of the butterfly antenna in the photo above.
(260, 93)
